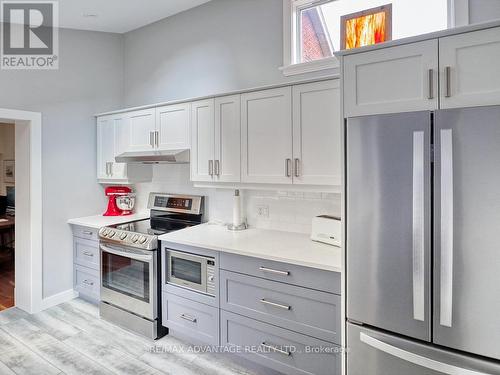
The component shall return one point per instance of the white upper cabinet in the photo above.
(266, 139)
(142, 127)
(389, 80)
(470, 69)
(203, 140)
(172, 126)
(317, 133)
(112, 140)
(227, 161)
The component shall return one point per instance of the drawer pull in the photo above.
(275, 349)
(188, 318)
(88, 233)
(274, 304)
(277, 272)
(88, 253)
(87, 282)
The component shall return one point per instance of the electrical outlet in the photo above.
(263, 211)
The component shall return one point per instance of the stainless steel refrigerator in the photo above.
(423, 243)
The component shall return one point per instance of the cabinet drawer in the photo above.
(283, 272)
(87, 282)
(278, 348)
(86, 253)
(189, 318)
(86, 233)
(302, 310)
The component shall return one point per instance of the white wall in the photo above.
(89, 80)
(220, 46)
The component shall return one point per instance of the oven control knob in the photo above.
(111, 234)
(142, 239)
(123, 236)
(135, 238)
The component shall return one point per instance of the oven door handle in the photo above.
(139, 257)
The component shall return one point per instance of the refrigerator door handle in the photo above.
(446, 243)
(416, 359)
(418, 219)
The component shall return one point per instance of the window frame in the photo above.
(458, 15)
(291, 40)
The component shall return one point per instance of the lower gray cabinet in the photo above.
(278, 348)
(306, 311)
(86, 263)
(190, 318)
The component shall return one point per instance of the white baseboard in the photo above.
(59, 298)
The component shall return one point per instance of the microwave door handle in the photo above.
(415, 358)
(138, 257)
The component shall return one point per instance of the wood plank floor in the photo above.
(71, 339)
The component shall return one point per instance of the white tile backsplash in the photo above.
(288, 211)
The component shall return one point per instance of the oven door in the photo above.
(187, 270)
(128, 279)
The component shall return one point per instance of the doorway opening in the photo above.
(7, 214)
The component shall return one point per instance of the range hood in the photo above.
(154, 157)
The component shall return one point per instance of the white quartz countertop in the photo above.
(292, 248)
(99, 221)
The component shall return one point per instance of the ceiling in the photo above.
(118, 16)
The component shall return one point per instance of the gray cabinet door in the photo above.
(467, 226)
(388, 222)
(371, 352)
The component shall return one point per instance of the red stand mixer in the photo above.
(121, 201)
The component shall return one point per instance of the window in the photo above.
(313, 29)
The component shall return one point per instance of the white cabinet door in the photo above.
(105, 146)
(227, 139)
(391, 80)
(141, 125)
(316, 133)
(266, 139)
(470, 69)
(172, 124)
(202, 144)
(122, 141)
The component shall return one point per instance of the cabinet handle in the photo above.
(297, 167)
(87, 282)
(211, 167)
(447, 73)
(431, 84)
(217, 168)
(189, 318)
(274, 304)
(88, 233)
(157, 139)
(277, 272)
(88, 253)
(107, 169)
(288, 163)
(275, 349)
(110, 168)
(151, 139)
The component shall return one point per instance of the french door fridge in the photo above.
(423, 243)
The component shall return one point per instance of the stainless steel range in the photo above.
(130, 262)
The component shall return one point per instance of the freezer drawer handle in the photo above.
(418, 219)
(416, 359)
(446, 243)
(189, 318)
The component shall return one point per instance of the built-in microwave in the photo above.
(191, 271)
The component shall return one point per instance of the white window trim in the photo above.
(458, 15)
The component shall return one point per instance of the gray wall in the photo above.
(483, 10)
(220, 46)
(89, 80)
